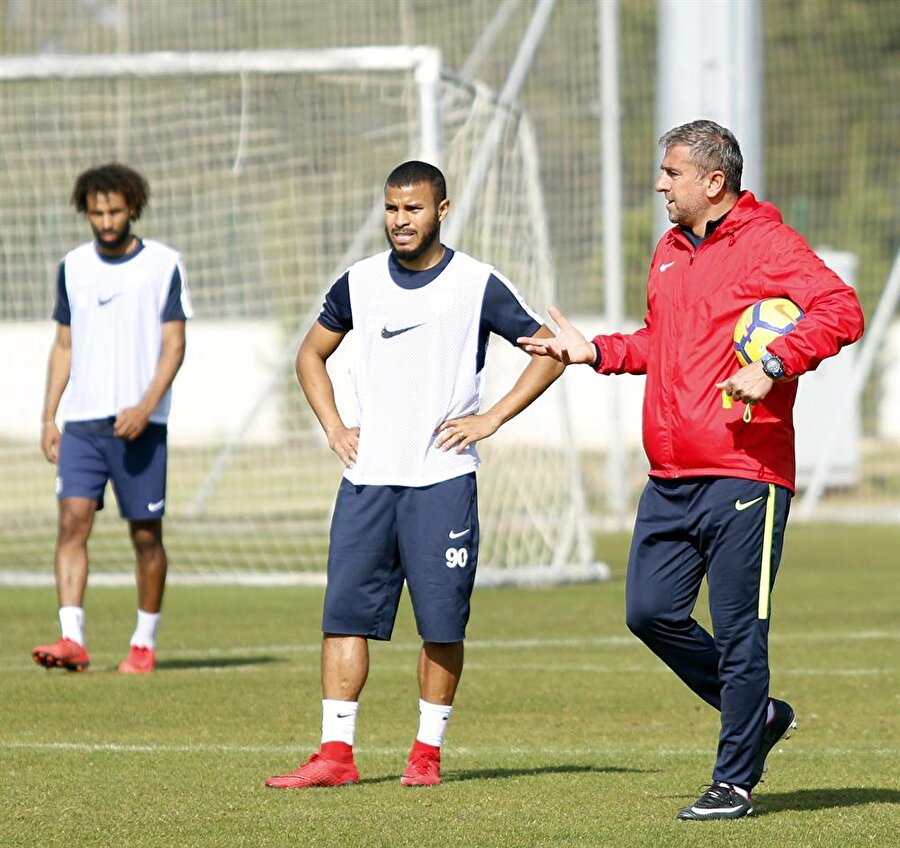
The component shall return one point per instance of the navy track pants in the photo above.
(730, 531)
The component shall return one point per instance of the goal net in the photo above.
(266, 172)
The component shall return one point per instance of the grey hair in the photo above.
(713, 148)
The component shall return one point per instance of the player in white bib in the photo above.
(121, 308)
(406, 511)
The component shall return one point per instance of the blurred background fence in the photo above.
(830, 120)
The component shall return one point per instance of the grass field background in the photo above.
(566, 730)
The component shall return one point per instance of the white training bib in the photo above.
(414, 356)
(116, 309)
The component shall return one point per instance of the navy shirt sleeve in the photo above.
(336, 314)
(173, 310)
(504, 314)
(62, 314)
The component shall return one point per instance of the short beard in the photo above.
(411, 254)
(119, 242)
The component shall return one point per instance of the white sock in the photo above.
(145, 631)
(433, 720)
(339, 720)
(770, 712)
(71, 623)
(742, 792)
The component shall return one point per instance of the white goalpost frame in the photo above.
(424, 64)
(586, 569)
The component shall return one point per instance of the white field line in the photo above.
(622, 641)
(482, 752)
(524, 668)
(579, 668)
(475, 645)
(490, 668)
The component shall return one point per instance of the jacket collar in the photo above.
(746, 209)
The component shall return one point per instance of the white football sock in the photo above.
(71, 623)
(433, 720)
(339, 720)
(145, 632)
(745, 794)
(770, 712)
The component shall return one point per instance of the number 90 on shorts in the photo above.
(456, 557)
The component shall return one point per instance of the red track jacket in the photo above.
(694, 298)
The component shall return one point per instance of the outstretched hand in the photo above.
(568, 346)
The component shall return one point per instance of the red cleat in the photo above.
(65, 654)
(423, 767)
(317, 771)
(140, 660)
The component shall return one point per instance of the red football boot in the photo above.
(64, 653)
(423, 767)
(332, 766)
(140, 660)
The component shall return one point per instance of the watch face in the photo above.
(773, 367)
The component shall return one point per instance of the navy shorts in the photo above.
(383, 535)
(90, 455)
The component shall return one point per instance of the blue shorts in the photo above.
(90, 455)
(381, 535)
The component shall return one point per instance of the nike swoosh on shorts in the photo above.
(739, 505)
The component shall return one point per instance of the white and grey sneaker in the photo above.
(720, 801)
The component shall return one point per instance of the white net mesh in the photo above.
(263, 182)
(828, 150)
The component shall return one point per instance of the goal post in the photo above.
(266, 171)
(424, 62)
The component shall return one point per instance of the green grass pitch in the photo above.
(566, 732)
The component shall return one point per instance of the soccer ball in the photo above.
(762, 323)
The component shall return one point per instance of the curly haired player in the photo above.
(121, 308)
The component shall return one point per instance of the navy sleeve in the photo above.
(173, 310)
(504, 313)
(62, 314)
(336, 314)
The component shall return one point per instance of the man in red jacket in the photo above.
(717, 499)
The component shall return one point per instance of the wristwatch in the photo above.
(773, 366)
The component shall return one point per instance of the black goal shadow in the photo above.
(214, 662)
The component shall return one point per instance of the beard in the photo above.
(114, 245)
(411, 253)
(687, 210)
